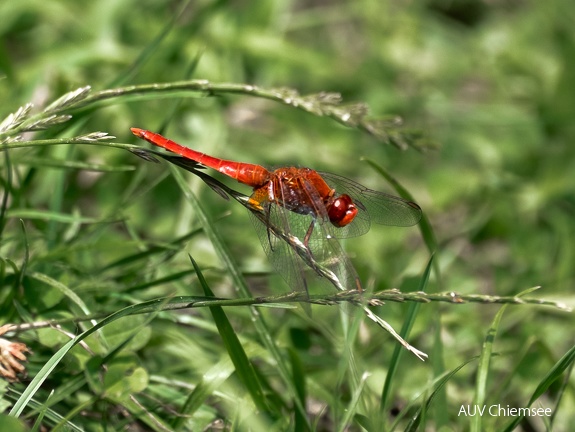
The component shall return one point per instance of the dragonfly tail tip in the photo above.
(137, 131)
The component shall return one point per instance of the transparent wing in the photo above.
(379, 207)
(295, 261)
(271, 229)
(326, 250)
(296, 242)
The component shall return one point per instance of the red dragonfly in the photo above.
(300, 209)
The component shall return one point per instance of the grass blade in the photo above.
(210, 382)
(6, 193)
(438, 385)
(553, 375)
(234, 348)
(49, 366)
(241, 286)
(483, 369)
(397, 351)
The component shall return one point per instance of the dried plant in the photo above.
(12, 355)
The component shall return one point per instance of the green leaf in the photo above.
(8, 423)
(124, 377)
(211, 381)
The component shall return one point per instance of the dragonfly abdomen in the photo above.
(250, 174)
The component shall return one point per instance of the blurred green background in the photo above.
(490, 84)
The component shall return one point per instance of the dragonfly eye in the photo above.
(342, 211)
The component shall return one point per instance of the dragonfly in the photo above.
(300, 214)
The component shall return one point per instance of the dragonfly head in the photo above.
(342, 211)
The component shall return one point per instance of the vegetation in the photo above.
(132, 296)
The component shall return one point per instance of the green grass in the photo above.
(95, 243)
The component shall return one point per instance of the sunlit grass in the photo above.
(95, 243)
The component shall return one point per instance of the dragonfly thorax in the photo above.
(342, 211)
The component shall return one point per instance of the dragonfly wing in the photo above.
(270, 225)
(294, 260)
(296, 242)
(323, 252)
(334, 264)
(379, 207)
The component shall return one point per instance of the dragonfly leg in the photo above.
(308, 234)
(358, 286)
(306, 239)
(312, 261)
(268, 230)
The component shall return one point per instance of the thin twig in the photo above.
(280, 301)
(323, 104)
